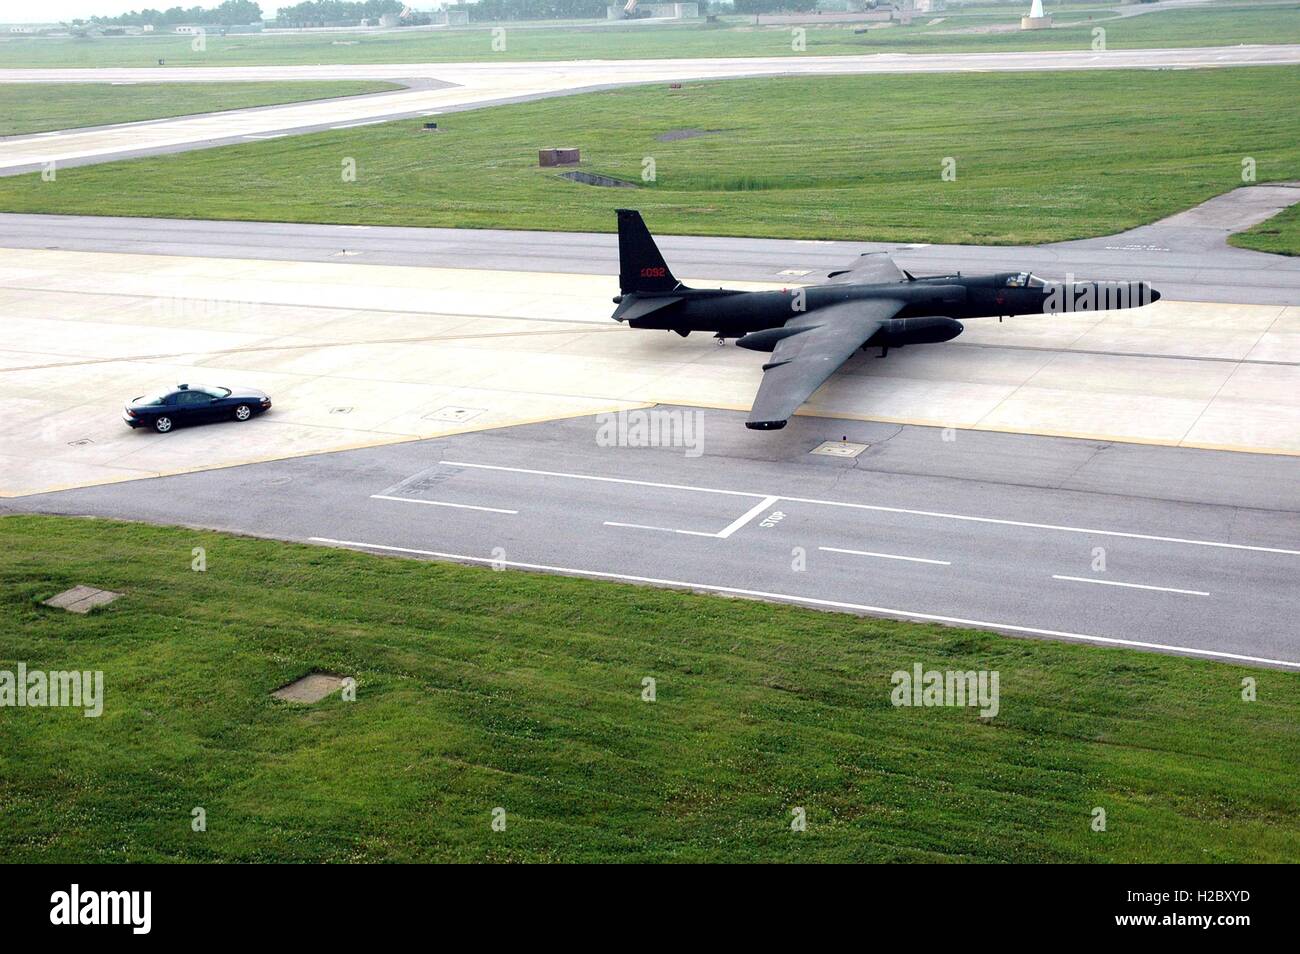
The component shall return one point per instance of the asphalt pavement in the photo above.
(1154, 548)
(1186, 256)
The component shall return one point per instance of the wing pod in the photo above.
(769, 338)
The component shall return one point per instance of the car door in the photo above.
(192, 407)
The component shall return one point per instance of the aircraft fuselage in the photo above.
(731, 314)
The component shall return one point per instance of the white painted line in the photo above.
(937, 514)
(368, 122)
(642, 526)
(271, 136)
(812, 601)
(440, 503)
(1045, 526)
(748, 515)
(607, 480)
(886, 556)
(1132, 586)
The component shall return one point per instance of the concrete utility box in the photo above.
(558, 157)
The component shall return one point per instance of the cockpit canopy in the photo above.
(1024, 280)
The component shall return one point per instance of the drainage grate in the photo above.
(591, 178)
(453, 414)
(839, 449)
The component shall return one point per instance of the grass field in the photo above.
(32, 109)
(1174, 28)
(479, 689)
(1280, 234)
(835, 157)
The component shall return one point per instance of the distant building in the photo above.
(657, 11)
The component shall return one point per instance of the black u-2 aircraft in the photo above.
(811, 331)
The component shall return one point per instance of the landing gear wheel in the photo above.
(243, 412)
(162, 424)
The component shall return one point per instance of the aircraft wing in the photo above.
(871, 268)
(803, 361)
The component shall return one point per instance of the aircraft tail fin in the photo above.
(641, 267)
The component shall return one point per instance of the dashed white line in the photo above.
(937, 514)
(886, 556)
(722, 534)
(1132, 586)
(368, 122)
(812, 601)
(595, 477)
(642, 526)
(441, 503)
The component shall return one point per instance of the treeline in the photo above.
(230, 13)
(536, 9)
(319, 12)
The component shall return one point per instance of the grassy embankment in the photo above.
(481, 689)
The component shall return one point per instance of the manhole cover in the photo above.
(82, 599)
(839, 449)
(454, 414)
(310, 688)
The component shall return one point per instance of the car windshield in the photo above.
(1024, 280)
(210, 392)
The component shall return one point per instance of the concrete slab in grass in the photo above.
(81, 599)
(312, 687)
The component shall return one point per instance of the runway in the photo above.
(1186, 256)
(1163, 549)
(472, 85)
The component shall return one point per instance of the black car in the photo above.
(194, 404)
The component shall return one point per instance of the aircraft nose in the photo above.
(1141, 293)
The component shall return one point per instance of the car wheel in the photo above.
(162, 424)
(243, 412)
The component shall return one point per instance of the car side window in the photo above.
(191, 398)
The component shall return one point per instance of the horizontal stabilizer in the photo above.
(633, 306)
